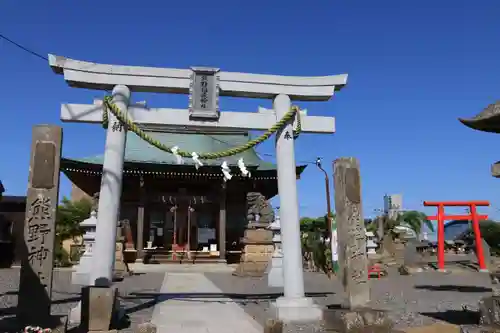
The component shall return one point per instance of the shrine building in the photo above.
(172, 206)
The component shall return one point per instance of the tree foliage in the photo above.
(416, 220)
(490, 231)
(413, 219)
(308, 224)
(69, 216)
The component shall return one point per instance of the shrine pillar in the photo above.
(293, 306)
(110, 193)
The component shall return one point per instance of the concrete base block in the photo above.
(100, 309)
(302, 309)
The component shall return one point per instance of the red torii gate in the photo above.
(473, 215)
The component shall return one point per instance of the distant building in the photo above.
(453, 229)
(393, 205)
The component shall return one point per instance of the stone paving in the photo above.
(190, 302)
(410, 300)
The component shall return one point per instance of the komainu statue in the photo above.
(257, 242)
(260, 212)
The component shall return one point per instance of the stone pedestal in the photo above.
(256, 253)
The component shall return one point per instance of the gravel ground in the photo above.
(65, 295)
(410, 300)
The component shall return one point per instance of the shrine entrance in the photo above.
(472, 216)
(183, 230)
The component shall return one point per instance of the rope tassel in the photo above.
(226, 171)
(243, 168)
(196, 160)
(179, 159)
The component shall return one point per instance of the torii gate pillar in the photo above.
(293, 305)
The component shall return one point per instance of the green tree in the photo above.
(490, 231)
(69, 216)
(308, 224)
(314, 245)
(413, 219)
(416, 220)
(388, 223)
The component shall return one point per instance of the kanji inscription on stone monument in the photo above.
(39, 228)
(353, 260)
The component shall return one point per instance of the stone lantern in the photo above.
(275, 271)
(81, 275)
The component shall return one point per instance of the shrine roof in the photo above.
(487, 120)
(139, 151)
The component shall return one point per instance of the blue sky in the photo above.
(414, 67)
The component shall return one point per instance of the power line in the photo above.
(25, 49)
(38, 55)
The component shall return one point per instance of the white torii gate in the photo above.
(282, 89)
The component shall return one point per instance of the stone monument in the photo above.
(258, 241)
(412, 260)
(353, 260)
(204, 86)
(275, 271)
(35, 286)
(352, 315)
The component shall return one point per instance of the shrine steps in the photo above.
(167, 257)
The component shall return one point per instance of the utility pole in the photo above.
(327, 191)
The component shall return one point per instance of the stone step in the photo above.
(167, 259)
